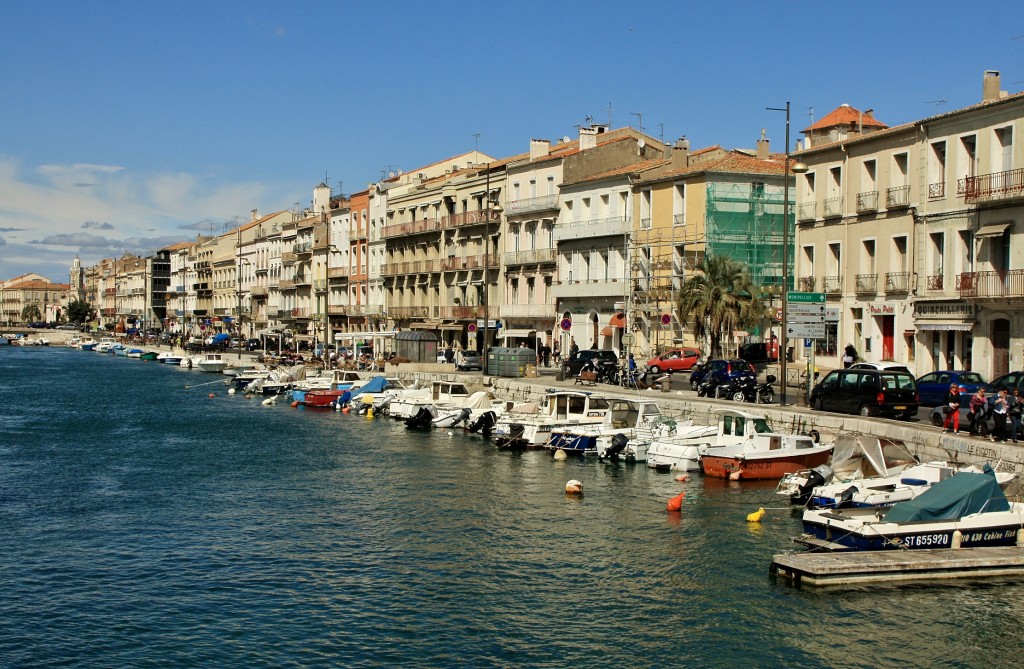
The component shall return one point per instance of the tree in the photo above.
(79, 311)
(30, 313)
(718, 299)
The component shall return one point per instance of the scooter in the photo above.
(707, 387)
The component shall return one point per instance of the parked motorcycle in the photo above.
(736, 388)
(707, 387)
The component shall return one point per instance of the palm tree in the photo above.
(30, 313)
(720, 298)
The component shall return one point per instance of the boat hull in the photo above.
(738, 467)
(926, 535)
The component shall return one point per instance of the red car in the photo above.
(675, 360)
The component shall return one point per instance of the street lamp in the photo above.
(238, 310)
(798, 168)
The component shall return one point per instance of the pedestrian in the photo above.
(545, 354)
(1016, 408)
(849, 355)
(1000, 409)
(574, 349)
(557, 352)
(977, 408)
(952, 409)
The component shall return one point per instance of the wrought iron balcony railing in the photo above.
(997, 185)
(897, 282)
(991, 285)
(867, 201)
(866, 283)
(833, 207)
(897, 196)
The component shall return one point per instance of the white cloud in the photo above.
(44, 210)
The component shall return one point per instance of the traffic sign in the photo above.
(566, 324)
(778, 314)
(805, 318)
(807, 310)
(805, 298)
(805, 330)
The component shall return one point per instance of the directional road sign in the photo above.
(805, 330)
(805, 298)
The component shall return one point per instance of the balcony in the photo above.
(532, 257)
(366, 310)
(337, 273)
(289, 258)
(897, 197)
(937, 190)
(897, 282)
(320, 285)
(300, 314)
(805, 284)
(867, 202)
(833, 207)
(462, 312)
(832, 285)
(411, 267)
(358, 234)
(302, 280)
(531, 205)
(616, 226)
(469, 262)
(866, 284)
(336, 310)
(477, 217)
(222, 311)
(410, 228)
(806, 211)
(286, 284)
(994, 187)
(305, 248)
(527, 311)
(258, 291)
(408, 312)
(991, 285)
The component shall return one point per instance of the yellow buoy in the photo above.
(369, 412)
(756, 516)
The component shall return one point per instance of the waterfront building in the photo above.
(912, 234)
(34, 291)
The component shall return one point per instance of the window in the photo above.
(551, 185)
(679, 205)
(868, 260)
(967, 156)
(937, 170)
(869, 176)
(899, 259)
(533, 188)
(1003, 155)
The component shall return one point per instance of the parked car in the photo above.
(468, 360)
(759, 352)
(888, 366)
(933, 388)
(1008, 381)
(67, 326)
(253, 344)
(869, 392)
(675, 360)
(720, 370)
(604, 359)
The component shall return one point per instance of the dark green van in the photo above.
(868, 392)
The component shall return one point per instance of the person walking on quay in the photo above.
(557, 352)
(849, 355)
(545, 353)
(574, 349)
(952, 409)
(1015, 412)
(977, 408)
(999, 412)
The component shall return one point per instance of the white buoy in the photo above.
(231, 391)
(560, 455)
(957, 538)
(574, 487)
(450, 434)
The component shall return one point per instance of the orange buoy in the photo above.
(574, 487)
(676, 503)
(682, 477)
(734, 475)
(211, 394)
(346, 410)
(295, 404)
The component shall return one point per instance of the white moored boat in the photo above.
(212, 362)
(530, 426)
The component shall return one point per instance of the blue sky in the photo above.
(132, 125)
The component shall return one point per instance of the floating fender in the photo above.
(735, 475)
(560, 455)
(346, 410)
(676, 503)
(574, 487)
(815, 436)
(269, 401)
(957, 539)
(248, 396)
(756, 516)
(295, 404)
(682, 477)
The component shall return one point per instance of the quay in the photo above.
(860, 567)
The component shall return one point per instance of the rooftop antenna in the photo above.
(476, 137)
(661, 135)
(810, 112)
(640, 119)
(938, 103)
(609, 114)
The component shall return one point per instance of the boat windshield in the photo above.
(761, 426)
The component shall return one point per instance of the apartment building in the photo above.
(911, 233)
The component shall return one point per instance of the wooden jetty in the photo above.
(858, 567)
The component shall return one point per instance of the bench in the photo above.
(587, 378)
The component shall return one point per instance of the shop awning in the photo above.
(992, 230)
(618, 320)
(516, 334)
(959, 326)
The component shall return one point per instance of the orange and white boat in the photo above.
(746, 447)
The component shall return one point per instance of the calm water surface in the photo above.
(147, 524)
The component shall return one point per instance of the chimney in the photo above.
(990, 86)
(763, 147)
(254, 215)
(681, 153)
(539, 148)
(588, 138)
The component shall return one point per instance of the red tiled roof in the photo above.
(844, 115)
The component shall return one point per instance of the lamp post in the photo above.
(238, 309)
(799, 168)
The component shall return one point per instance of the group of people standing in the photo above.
(1005, 406)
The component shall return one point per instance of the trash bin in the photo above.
(666, 384)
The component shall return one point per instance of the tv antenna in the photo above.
(640, 119)
(938, 103)
(609, 115)
(476, 137)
